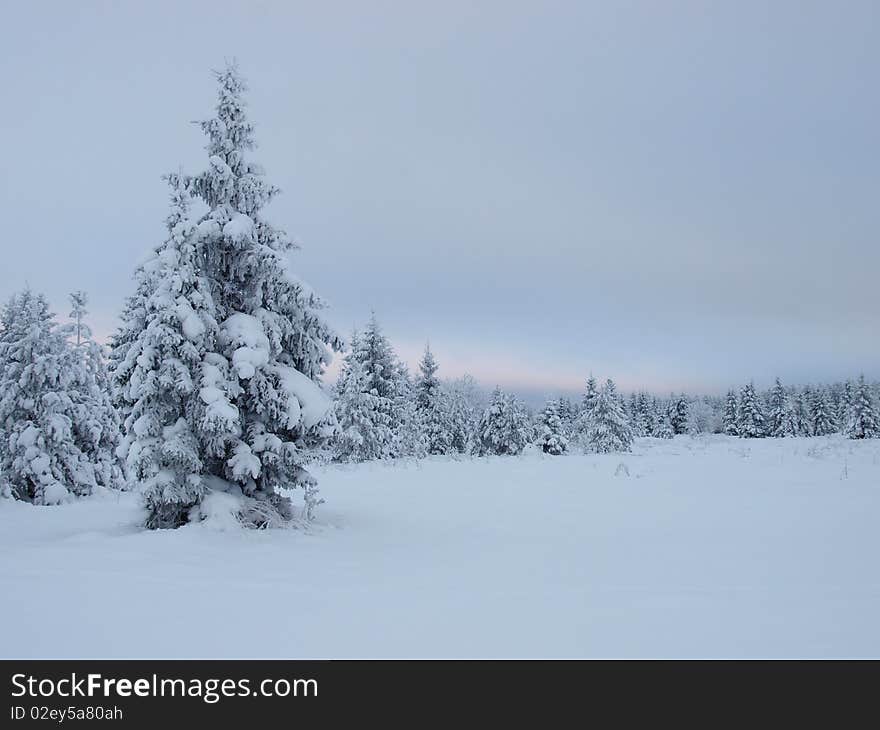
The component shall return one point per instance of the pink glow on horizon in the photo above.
(515, 371)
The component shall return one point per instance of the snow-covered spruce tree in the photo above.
(386, 420)
(663, 428)
(777, 409)
(750, 417)
(79, 330)
(465, 403)
(134, 313)
(729, 418)
(553, 438)
(834, 396)
(504, 427)
(609, 428)
(409, 438)
(644, 425)
(591, 393)
(862, 420)
(432, 407)
(273, 344)
(822, 421)
(174, 389)
(795, 422)
(231, 400)
(364, 416)
(398, 430)
(641, 415)
(703, 417)
(567, 415)
(97, 426)
(56, 442)
(588, 402)
(632, 410)
(678, 414)
(807, 402)
(844, 402)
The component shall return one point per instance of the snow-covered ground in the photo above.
(697, 547)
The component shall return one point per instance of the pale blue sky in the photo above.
(677, 194)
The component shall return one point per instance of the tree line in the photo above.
(211, 387)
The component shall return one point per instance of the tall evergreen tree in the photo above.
(57, 440)
(647, 416)
(844, 402)
(388, 421)
(862, 420)
(678, 414)
(567, 416)
(609, 429)
(432, 407)
(638, 414)
(632, 410)
(552, 434)
(232, 394)
(382, 367)
(465, 403)
(364, 416)
(750, 416)
(662, 420)
(822, 420)
(161, 366)
(99, 428)
(730, 418)
(409, 436)
(795, 421)
(504, 427)
(777, 407)
(588, 402)
(703, 417)
(79, 330)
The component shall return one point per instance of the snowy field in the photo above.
(695, 547)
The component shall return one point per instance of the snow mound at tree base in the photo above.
(226, 508)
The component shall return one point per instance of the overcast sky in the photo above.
(681, 195)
